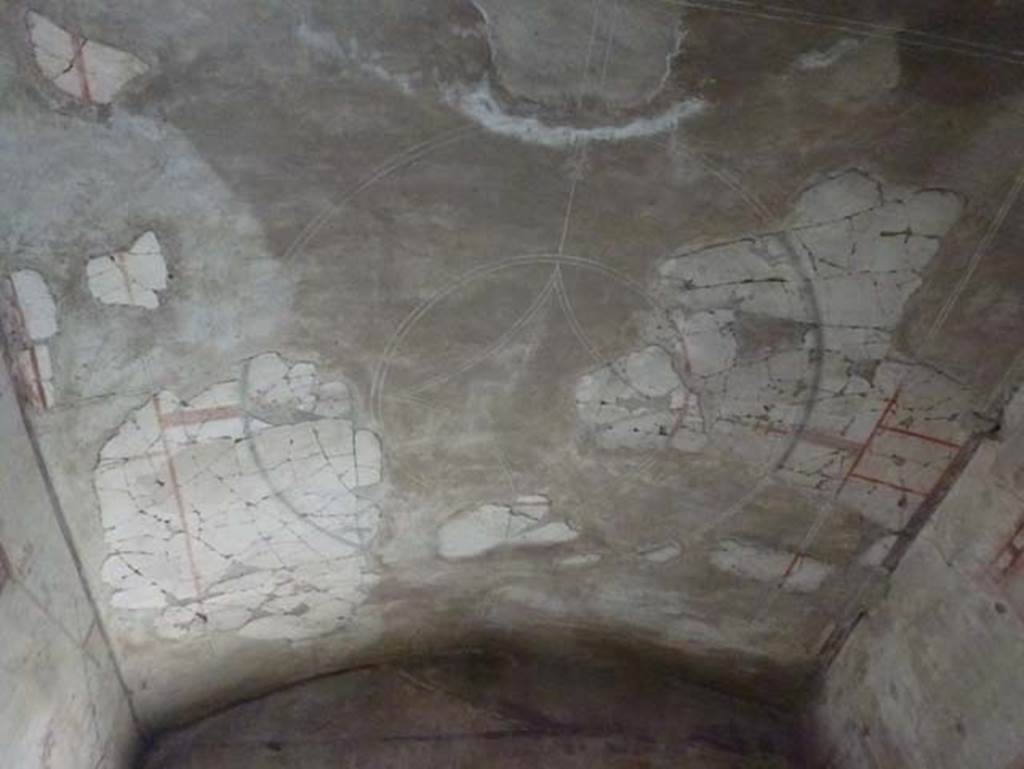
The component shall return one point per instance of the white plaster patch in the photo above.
(36, 305)
(221, 521)
(638, 402)
(491, 526)
(28, 317)
(792, 572)
(132, 277)
(89, 71)
(861, 246)
(278, 386)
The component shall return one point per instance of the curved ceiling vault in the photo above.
(353, 328)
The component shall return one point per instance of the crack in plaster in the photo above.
(243, 509)
(733, 373)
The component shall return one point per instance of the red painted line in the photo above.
(33, 358)
(40, 390)
(880, 482)
(198, 416)
(921, 436)
(180, 502)
(874, 431)
(78, 61)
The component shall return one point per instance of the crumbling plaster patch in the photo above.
(244, 508)
(132, 277)
(89, 71)
(526, 522)
(780, 349)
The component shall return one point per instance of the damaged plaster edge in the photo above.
(327, 43)
(480, 105)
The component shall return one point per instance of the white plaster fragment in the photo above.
(792, 572)
(753, 342)
(709, 341)
(637, 402)
(89, 71)
(132, 277)
(651, 373)
(492, 526)
(839, 196)
(35, 305)
(28, 317)
(247, 526)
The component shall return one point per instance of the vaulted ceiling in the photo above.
(349, 328)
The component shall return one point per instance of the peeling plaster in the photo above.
(87, 70)
(749, 342)
(524, 523)
(793, 572)
(132, 277)
(243, 509)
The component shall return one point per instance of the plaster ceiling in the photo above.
(366, 326)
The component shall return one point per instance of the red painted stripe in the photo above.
(78, 62)
(921, 436)
(179, 501)
(874, 431)
(198, 416)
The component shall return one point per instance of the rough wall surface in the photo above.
(500, 711)
(63, 706)
(933, 676)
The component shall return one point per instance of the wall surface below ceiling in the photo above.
(933, 676)
(501, 710)
(63, 706)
